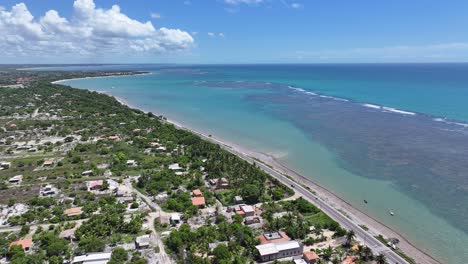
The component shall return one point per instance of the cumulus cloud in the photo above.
(211, 34)
(90, 30)
(247, 2)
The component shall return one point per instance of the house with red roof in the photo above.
(198, 201)
(26, 244)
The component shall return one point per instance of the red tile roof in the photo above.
(25, 243)
(197, 201)
(197, 192)
(310, 255)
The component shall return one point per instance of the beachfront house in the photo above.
(273, 251)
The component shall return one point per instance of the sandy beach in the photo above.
(375, 227)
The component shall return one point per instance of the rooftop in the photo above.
(143, 240)
(310, 255)
(95, 258)
(197, 201)
(24, 243)
(73, 211)
(273, 237)
(197, 192)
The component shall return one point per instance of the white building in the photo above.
(272, 251)
(131, 163)
(5, 165)
(16, 179)
(142, 241)
(93, 258)
(175, 166)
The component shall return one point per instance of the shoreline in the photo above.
(375, 226)
(103, 76)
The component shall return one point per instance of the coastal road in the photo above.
(368, 239)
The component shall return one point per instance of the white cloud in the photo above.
(90, 31)
(247, 2)
(211, 34)
(156, 15)
(297, 5)
(221, 34)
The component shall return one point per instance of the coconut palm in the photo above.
(349, 237)
(367, 253)
(381, 259)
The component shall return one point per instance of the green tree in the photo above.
(119, 256)
(380, 259)
(91, 244)
(221, 254)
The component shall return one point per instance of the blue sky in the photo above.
(233, 31)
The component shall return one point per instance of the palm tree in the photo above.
(349, 237)
(360, 250)
(381, 259)
(367, 253)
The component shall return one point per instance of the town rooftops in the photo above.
(310, 256)
(198, 201)
(273, 248)
(73, 211)
(26, 244)
(94, 258)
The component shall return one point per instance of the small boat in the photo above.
(365, 201)
(391, 213)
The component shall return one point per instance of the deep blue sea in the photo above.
(393, 134)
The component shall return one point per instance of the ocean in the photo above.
(395, 135)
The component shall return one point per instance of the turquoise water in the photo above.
(413, 162)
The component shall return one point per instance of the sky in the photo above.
(233, 31)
